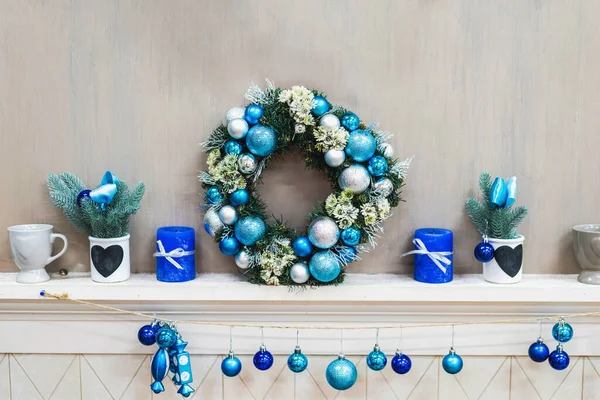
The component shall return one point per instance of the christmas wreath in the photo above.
(364, 176)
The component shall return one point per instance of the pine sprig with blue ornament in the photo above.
(364, 176)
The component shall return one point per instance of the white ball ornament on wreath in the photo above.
(242, 259)
(299, 273)
(334, 158)
(323, 233)
(388, 150)
(329, 121)
(228, 215)
(355, 178)
(383, 186)
(237, 128)
(234, 113)
(212, 222)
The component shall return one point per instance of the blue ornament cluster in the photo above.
(558, 359)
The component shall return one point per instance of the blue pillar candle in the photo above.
(175, 254)
(435, 240)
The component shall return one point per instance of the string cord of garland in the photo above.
(365, 179)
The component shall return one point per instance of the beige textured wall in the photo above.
(512, 86)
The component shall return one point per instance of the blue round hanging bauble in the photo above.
(233, 147)
(484, 252)
(348, 254)
(239, 198)
(213, 195)
(147, 335)
(376, 360)
(350, 121)
(250, 230)
(302, 246)
(253, 113)
(166, 337)
(321, 106)
(231, 365)
(297, 362)
(538, 351)
(452, 363)
(324, 266)
(212, 222)
(559, 359)
(355, 178)
(229, 246)
(378, 166)
(361, 145)
(263, 359)
(341, 374)
(261, 140)
(350, 236)
(84, 194)
(401, 363)
(562, 332)
(323, 232)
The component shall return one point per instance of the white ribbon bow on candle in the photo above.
(175, 253)
(438, 257)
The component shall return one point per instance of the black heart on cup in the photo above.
(107, 260)
(509, 259)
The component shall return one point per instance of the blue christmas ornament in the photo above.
(261, 140)
(166, 337)
(348, 254)
(511, 190)
(321, 106)
(559, 359)
(84, 194)
(376, 360)
(253, 113)
(159, 367)
(378, 166)
(498, 193)
(484, 252)
(562, 331)
(350, 236)
(361, 145)
(213, 195)
(297, 362)
(452, 363)
(401, 363)
(240, 197)
(212, 222)
(263, 359)
(231, 365)
(147, 335)
(538, 351)
(341, 373)
(350, 121)
(250, 230)
(233, 147)
(302, 246)
(229, 246)
(183, 369)
(324, 266)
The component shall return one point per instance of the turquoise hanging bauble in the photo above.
(261, 140)
(229, 246)
(452, 362)
(361, 145)
(250, 230)
(321, 106)
(559, 359)
(498, 193)
(350, 121)
(378, 166)
(159, 367)
(562, 331)
(233, 147)
(341, 373)
(213, 195)
(212, 222)
(263, 359)
(324, 266)
(231, 365)
(376, 360)
(302, 246)
(166, 337)
(297, 362)
(355, 178)
(240, 197)
(323, 232)
(350, 236)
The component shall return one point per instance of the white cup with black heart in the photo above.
(507, 264)
(109, 259)
(31, 247)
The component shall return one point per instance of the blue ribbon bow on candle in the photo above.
(175, 253)
(503, 194)
(438, 257)
(104, 193)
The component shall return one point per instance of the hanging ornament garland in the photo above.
(364, 176)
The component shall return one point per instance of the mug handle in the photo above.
(60, 253)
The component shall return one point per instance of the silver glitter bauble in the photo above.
(212, 222)
(242, 259)
(329, 121)
(334, 158)
(228, 215)
(355, 178)
(323, 233)
(299, 273)
(388, 150)
(237, 128)
(247, 163)
(234, 113)
(383, 186)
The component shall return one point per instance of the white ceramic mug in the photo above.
(31, 247)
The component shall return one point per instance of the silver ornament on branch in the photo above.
(228, 215)
(334, 158)
(247, 164)
(299, 273)
(237, 128)
(242, 259)
(234, 113)
(383, 186)
(323, 233)
(388, 150)
(329, 121)
(212, 222)
(355, 178)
